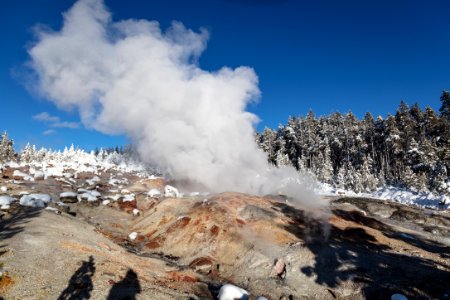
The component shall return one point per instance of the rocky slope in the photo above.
(186, 248)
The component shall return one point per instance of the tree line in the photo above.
(409, 149)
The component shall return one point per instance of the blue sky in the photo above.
(321, 55)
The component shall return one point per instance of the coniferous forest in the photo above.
(409, 149)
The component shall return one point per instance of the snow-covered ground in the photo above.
(47, 163)
(65, 166)
(400, 195)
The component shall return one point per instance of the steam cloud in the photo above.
(131, 77)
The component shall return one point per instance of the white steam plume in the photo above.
(130, 77)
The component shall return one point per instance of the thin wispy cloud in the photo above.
(65, 124)
(49, 132)
(54, 121)
(45, 117)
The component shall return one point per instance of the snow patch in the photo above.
(154, 193)
(5, 202)
(133, 236)
(128, 198)
(67, 195)
(231, 292)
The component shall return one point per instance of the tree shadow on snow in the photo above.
(127, 288)
(353, 254)
(80, 284)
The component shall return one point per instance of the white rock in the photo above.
(231, 292)
(125, 191)
(106, 202)
(261, 298)
(136, 212)
(133, 236)
(171, 192)
(3, 189)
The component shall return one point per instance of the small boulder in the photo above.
(279, 269)
(171, 192)
(35, 200)
(68, 197)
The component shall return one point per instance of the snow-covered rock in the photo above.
(5, 202)
(114, 197)
(39, 175)
(171, 192)
(4, 189)
(133, 236)
(19, 175)
(93, 181)
(106, 202)
(136, 212)
(232, 292)
(35, 200)
(67, 194)
(88, 195)
(128, 198)
(68, 197)
(154, 193)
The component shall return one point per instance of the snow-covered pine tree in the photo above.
(445, 105)
(6, 148)
(27, 154)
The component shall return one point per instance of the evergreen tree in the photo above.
(6, 149)
(445, 105)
